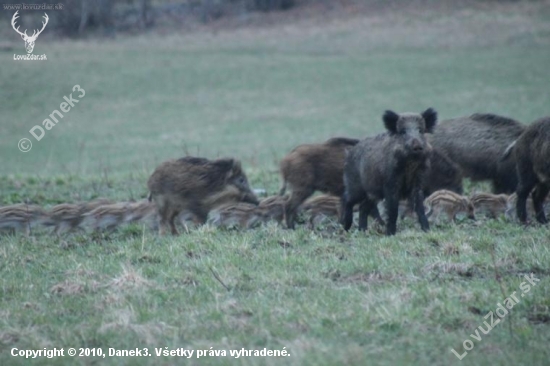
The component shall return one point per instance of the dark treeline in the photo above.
(79, 17)
(82, 17)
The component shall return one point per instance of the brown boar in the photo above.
(450, 203)
(192, 184)
(390, 166)
(477, 143)
(313, 167)
(532, 156)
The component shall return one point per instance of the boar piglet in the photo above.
(390, 166)
(450, 203)
(192, 184)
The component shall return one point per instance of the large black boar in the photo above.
(443, 174)
(477, 143)
(390, 166)
(313, 167)
(532, 155)
(196, 185)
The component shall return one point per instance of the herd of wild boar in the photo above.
(416, 166)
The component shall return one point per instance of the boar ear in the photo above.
(236, 168)
(430, 117)
(225, 165)
(390, 119)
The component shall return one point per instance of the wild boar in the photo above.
(107, 217)
(319, 167)
(273, 208)
(69, 216)
(390, 166)
(493, 205)
(239, 215)
(192, 184)
(321, 207)
(450, 203)
(477, 143)
(141, 210)
(22, 217)
(442, 174)
(532, 156)
(511, 204)
(313, 167)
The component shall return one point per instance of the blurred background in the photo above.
(253, 78)
(84, 17)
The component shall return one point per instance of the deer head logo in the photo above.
(29, 40)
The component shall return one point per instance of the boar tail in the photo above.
(508, 151)
(283, 189)
(150, 197)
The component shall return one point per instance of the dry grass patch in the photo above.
(130, 278)
(68, 288)
(125, 320)
(29, 336)
(374, 277)
(462, 269)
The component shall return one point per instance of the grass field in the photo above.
(329, 298)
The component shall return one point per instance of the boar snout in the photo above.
(250, 197)
(416, 146)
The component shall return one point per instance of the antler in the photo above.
(43, 26)
(13, 19)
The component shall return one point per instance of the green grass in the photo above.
(330, 298)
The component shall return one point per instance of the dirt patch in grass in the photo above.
(374, 277)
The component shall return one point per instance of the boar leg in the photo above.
(56, 230)
(172, 222)
(452, 215)
(199, 211)
(163, 219)
(365, 208)
(27, 229)
(391, 197)
(375, 214)
(349, 200)
(311, 224)
(539, 195)
(419, 208)
(527, 181)
(291, 206)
